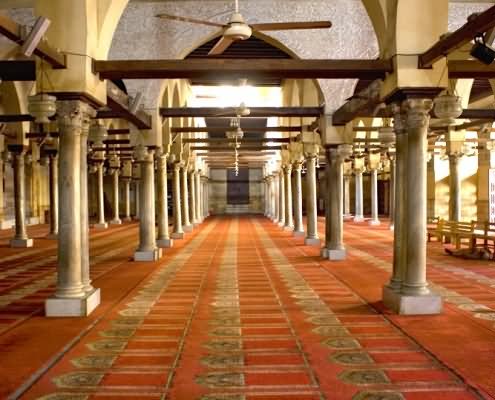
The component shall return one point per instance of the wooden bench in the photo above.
(433, 228)
(486, 236)
(456, 231)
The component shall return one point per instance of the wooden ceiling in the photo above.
(251, 48)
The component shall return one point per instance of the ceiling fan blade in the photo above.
(282, 26)
(222, 45)
(187, 19)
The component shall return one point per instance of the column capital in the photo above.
(17, 149)
(74, 112)
(417, 113)
(143, 154)
(297, 165)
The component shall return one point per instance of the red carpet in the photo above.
(240, 310)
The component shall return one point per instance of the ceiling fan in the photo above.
(237, 28)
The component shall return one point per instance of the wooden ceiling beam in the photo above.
(249, 130)
(230, 112)
(118, 101)
(476, 25)
(242, 68)
(470, 69)
(17, 70)
(12, 30)
(240, 149)
(243, 140)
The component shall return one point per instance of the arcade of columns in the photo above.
(408, 92)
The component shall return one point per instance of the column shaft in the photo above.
(185, 201)
(163, 239)
(417, 127)
(20, 237)
(101, 196)
(455, 188)
(147, 250)
(358, 215)
(53, 187)
(192, 209)
(391, 199)
(115, 180)
(127, 199)
(298, 212)
(374, 197)
(347, 195)
(178, 231)
(312, 237)
(281, 195)
(289, 216)
(197, 187)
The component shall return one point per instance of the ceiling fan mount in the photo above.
(238, 29)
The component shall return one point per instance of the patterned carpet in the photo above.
(241, 310)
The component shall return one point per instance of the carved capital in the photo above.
(417, 113)
(74, 113)
(143, 155)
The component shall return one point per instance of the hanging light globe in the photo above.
(447, 107)
(386, 135)
(42, 106)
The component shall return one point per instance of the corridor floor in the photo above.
(241, 310)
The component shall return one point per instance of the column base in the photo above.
(324, 252)
(127, 219)
(177, 236)
(348, 217)
(21, 243)
(165, 243)
(391, 227)
(403, 304)
(187, 228)
(153, 255)
(115, 222)
(52, 236)
(299, 233)
(67, 307)
(288, 228)
(337, 255)
(358, 219)
(374, 222)
(100, 226)
(312, 241)
(281, 224)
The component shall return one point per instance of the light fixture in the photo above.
(481, 51)
(448, 107)
(42, 106)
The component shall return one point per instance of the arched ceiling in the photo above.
(142, 36)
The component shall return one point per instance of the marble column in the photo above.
(101, 224)
(289, 216)
(115, 186)
(281, 196)
(347, 196)
(127, 198)
(71, 298)
(85, 265)
(391, 197)
(298, 212)
(276, 196)
(137, 196)
(374, 197)
(335, 242)
(415, 296)
(187, 227)
(147, 249)
(178, 232)
(431, 187)
(483, 175)
(358, 177)
(312, 238)
(391, 290)
(20, 238)
(199, 199)
(193, 218)
(163, 239)
(53, 189)
(454, 187)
